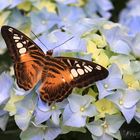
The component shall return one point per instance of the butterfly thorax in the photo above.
(49, 52)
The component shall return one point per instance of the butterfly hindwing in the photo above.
(28, 58)
(56, 79)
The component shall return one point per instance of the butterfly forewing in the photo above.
(57, 75)
(19, 45)
(84, 72)
(28, 58)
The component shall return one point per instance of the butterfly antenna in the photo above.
(39, 39)
(63, 42)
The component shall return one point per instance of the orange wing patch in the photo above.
(56, 85)
(26, 57)
(27, 74)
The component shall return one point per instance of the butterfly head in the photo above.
(49, 52)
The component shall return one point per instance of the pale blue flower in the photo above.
(17, 20)
(69, 14)
(6, 83)
(118, 40)
(20, 91)
(112, 82)
(41, 132)
(130, 16)
(3, 46)
(137, 113)
(78, 109)
(123, 62)
(43, 21)
(45, 112)
(102, 7)
(4, 116)
(24, 111)
(67, 1)
(14, 3)
(4, 4)
(135, 68)
(9, 4)
(84, 25)
(106, 130)
(136, 44)
(126, 101)
(65, 42)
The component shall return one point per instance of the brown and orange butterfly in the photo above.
(58, 75)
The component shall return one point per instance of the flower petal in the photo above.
(75, 120)
(41, 116)
(55, 117)
(90, 111)
(3, 120)
(32, 133)
(95, 128)
(52, 133)
(6, 84)
(131, 98)
(24, 111)
(113, 127)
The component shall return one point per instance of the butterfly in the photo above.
(57, 75)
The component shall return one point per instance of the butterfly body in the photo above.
(57, 75)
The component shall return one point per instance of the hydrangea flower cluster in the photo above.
(112, 45)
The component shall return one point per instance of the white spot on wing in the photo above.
(80, 71)
(77, 65)
(74, 73)
(98, 67)
(19, 45)
(69, 62)
(16, 37)
(83, 63)
(10, 30)
(16, 40)
(88, 68)
(15, 34)
(24, 42)
(22, 50)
